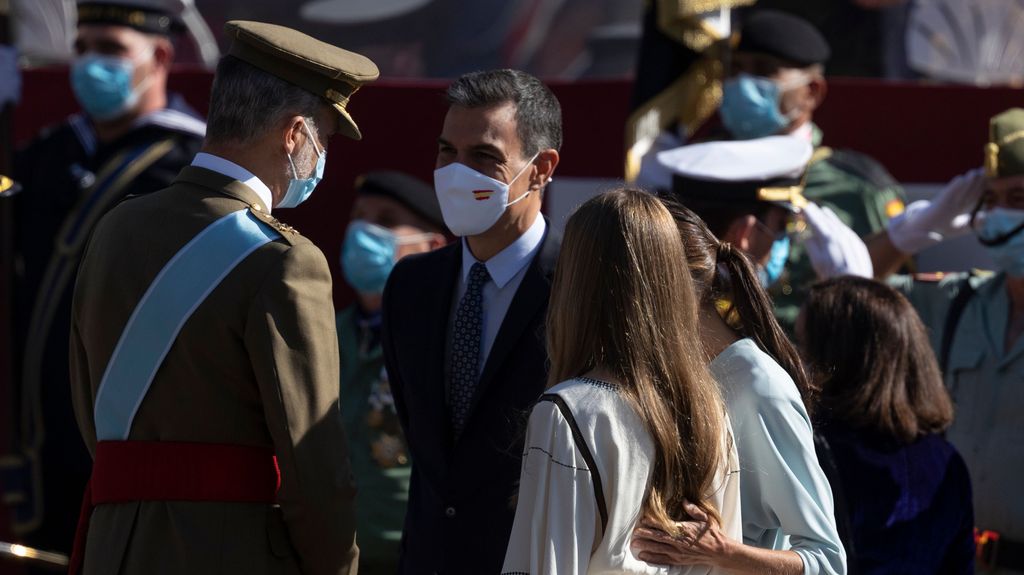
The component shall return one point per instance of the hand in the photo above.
(929, 222)
(698, 542)
(833, 248)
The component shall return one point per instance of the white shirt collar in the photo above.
(511, 260)
(233, 170)
(804, 132)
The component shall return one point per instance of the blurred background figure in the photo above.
(775, 85)
(883, 410)
(394, 215)
(130, 138)
(976, 325)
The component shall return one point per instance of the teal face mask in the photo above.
(299, 189)
(103, 85)
(777, 258)
(1002, 233)
(750, 106)
(369, 253)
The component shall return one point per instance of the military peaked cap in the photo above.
(325, 70)
(1004, 153)
(742, 171)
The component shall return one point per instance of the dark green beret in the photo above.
(411, 192)
(785, 36)
(1004, 153)
(321, 68)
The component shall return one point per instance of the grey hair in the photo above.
(245, 102)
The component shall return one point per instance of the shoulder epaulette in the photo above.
(288, 233)
(863, 166)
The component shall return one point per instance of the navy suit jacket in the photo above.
(460, 508)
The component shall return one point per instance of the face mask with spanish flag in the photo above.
(470, 201)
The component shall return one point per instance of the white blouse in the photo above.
(586, 471)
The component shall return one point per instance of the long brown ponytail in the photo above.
(723, 273)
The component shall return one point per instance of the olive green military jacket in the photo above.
(987, 385)
(255, 365)
(864, 196)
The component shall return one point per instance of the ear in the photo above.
(817, 88)
(163, 54)
(740, 232)
(437, 241)
(293, 134)
(546, 162)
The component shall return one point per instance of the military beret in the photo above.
(325, 70)
(761, 170)
(785, 36)
(148, 16)
(411, 192)
(1004, 153)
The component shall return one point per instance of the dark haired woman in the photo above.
(883, 410)
(788, 519)
(633, 425)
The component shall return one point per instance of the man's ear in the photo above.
(438, 240)
(163, 53)
(817, 89)
(546, 162)
(293, 134)
(741, 232)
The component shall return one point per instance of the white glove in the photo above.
(929, 222)
(833, 248)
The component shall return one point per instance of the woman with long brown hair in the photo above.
(883, 411)
(789, 523)
(633, 424)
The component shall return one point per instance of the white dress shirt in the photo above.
(506, 269)
(233, 170)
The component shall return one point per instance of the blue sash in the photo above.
(180, 287)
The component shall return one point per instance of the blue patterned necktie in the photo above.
(465, 354)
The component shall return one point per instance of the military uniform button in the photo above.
(257, 208)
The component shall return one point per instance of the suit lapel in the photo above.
(434, 328)
(530, 299)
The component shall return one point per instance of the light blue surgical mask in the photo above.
(750, 106)
(368, 254)
(777, 258)
(299, 189)
(103, 85)
(1008, 255)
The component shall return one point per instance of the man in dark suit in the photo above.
(463, 331)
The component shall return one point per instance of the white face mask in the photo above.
(471, 202)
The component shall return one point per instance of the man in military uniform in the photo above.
(204, 358)
(130, 138)
(751, 194)
(775, 86)
(394, 215)
(977, 326)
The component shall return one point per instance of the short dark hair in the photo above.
(246, 101)
(872, 350)
(538, 113)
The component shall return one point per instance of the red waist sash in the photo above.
(125, 471)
